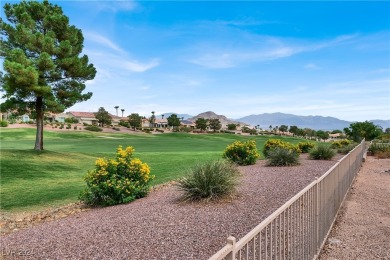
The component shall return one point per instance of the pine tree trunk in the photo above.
(39, 120)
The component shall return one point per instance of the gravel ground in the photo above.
(362, 229)
(161, 227)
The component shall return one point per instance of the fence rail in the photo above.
(299, 228)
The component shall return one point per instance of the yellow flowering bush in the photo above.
(276, 143)
(306, 146)
(340, 143)
(242, 153)
(116, 181)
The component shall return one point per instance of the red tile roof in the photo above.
(83, 114)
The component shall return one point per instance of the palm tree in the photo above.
(162, 116)
(123, 110)
(116, 108)
(152, 119)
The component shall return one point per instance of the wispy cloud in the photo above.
(257, 48)
(312, 66)
(136, 66)
(103, 41)
(117, 5)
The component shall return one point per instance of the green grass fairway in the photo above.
(33, 180)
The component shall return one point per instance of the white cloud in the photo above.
(312, 66)
(101, 40)
(136, 66)
(117, 5)
(256, 48)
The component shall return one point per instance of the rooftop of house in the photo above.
(82, 114)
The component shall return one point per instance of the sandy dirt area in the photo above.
(362, 229)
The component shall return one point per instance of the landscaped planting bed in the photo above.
(160, 226)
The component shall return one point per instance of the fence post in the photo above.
(318, 215)
(231, 241)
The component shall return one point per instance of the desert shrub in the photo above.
(346, 149)
(68, 126)
(379, 148)
(242, 153)
(185, 129)
(75, 127)
(93, 128)
(85, 124)
(384, 138)
(276, 143)
(61, 126)
(3, 123)
(228, 132)
(322, 152)
(340, 143)
(118, 180)
(305, 146)
(283, 157)
(383, 154)
(116, 128)
(209, 180)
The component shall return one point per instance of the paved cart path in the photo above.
(362, 229)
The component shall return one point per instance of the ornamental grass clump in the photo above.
(116, 181)
(242, 153)
(283, 157)
(322, 152)
(276, 143)
(209, 181)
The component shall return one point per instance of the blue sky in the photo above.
(237, 58)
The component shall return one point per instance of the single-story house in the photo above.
(187, 123)
(84, 117)
(161, 123)
(61, 117)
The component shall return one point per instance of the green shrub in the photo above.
(322, 152)
(383, 137)
(346, 149)
(185, 129)
(209, 180)
(276, 143)
(93, 128)
(116, 128)
(85, 124)
(242, 153)
(283, 157)
(71, 120)
(340, 143)
(376, 148)
(305, 146)
(3, 123)
(118, 180)
(75, 127)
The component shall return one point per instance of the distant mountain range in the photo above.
(209, 114)
(313, 122)
(277, 119)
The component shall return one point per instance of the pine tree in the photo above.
(44, 69)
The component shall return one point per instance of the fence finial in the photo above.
(231, 240)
